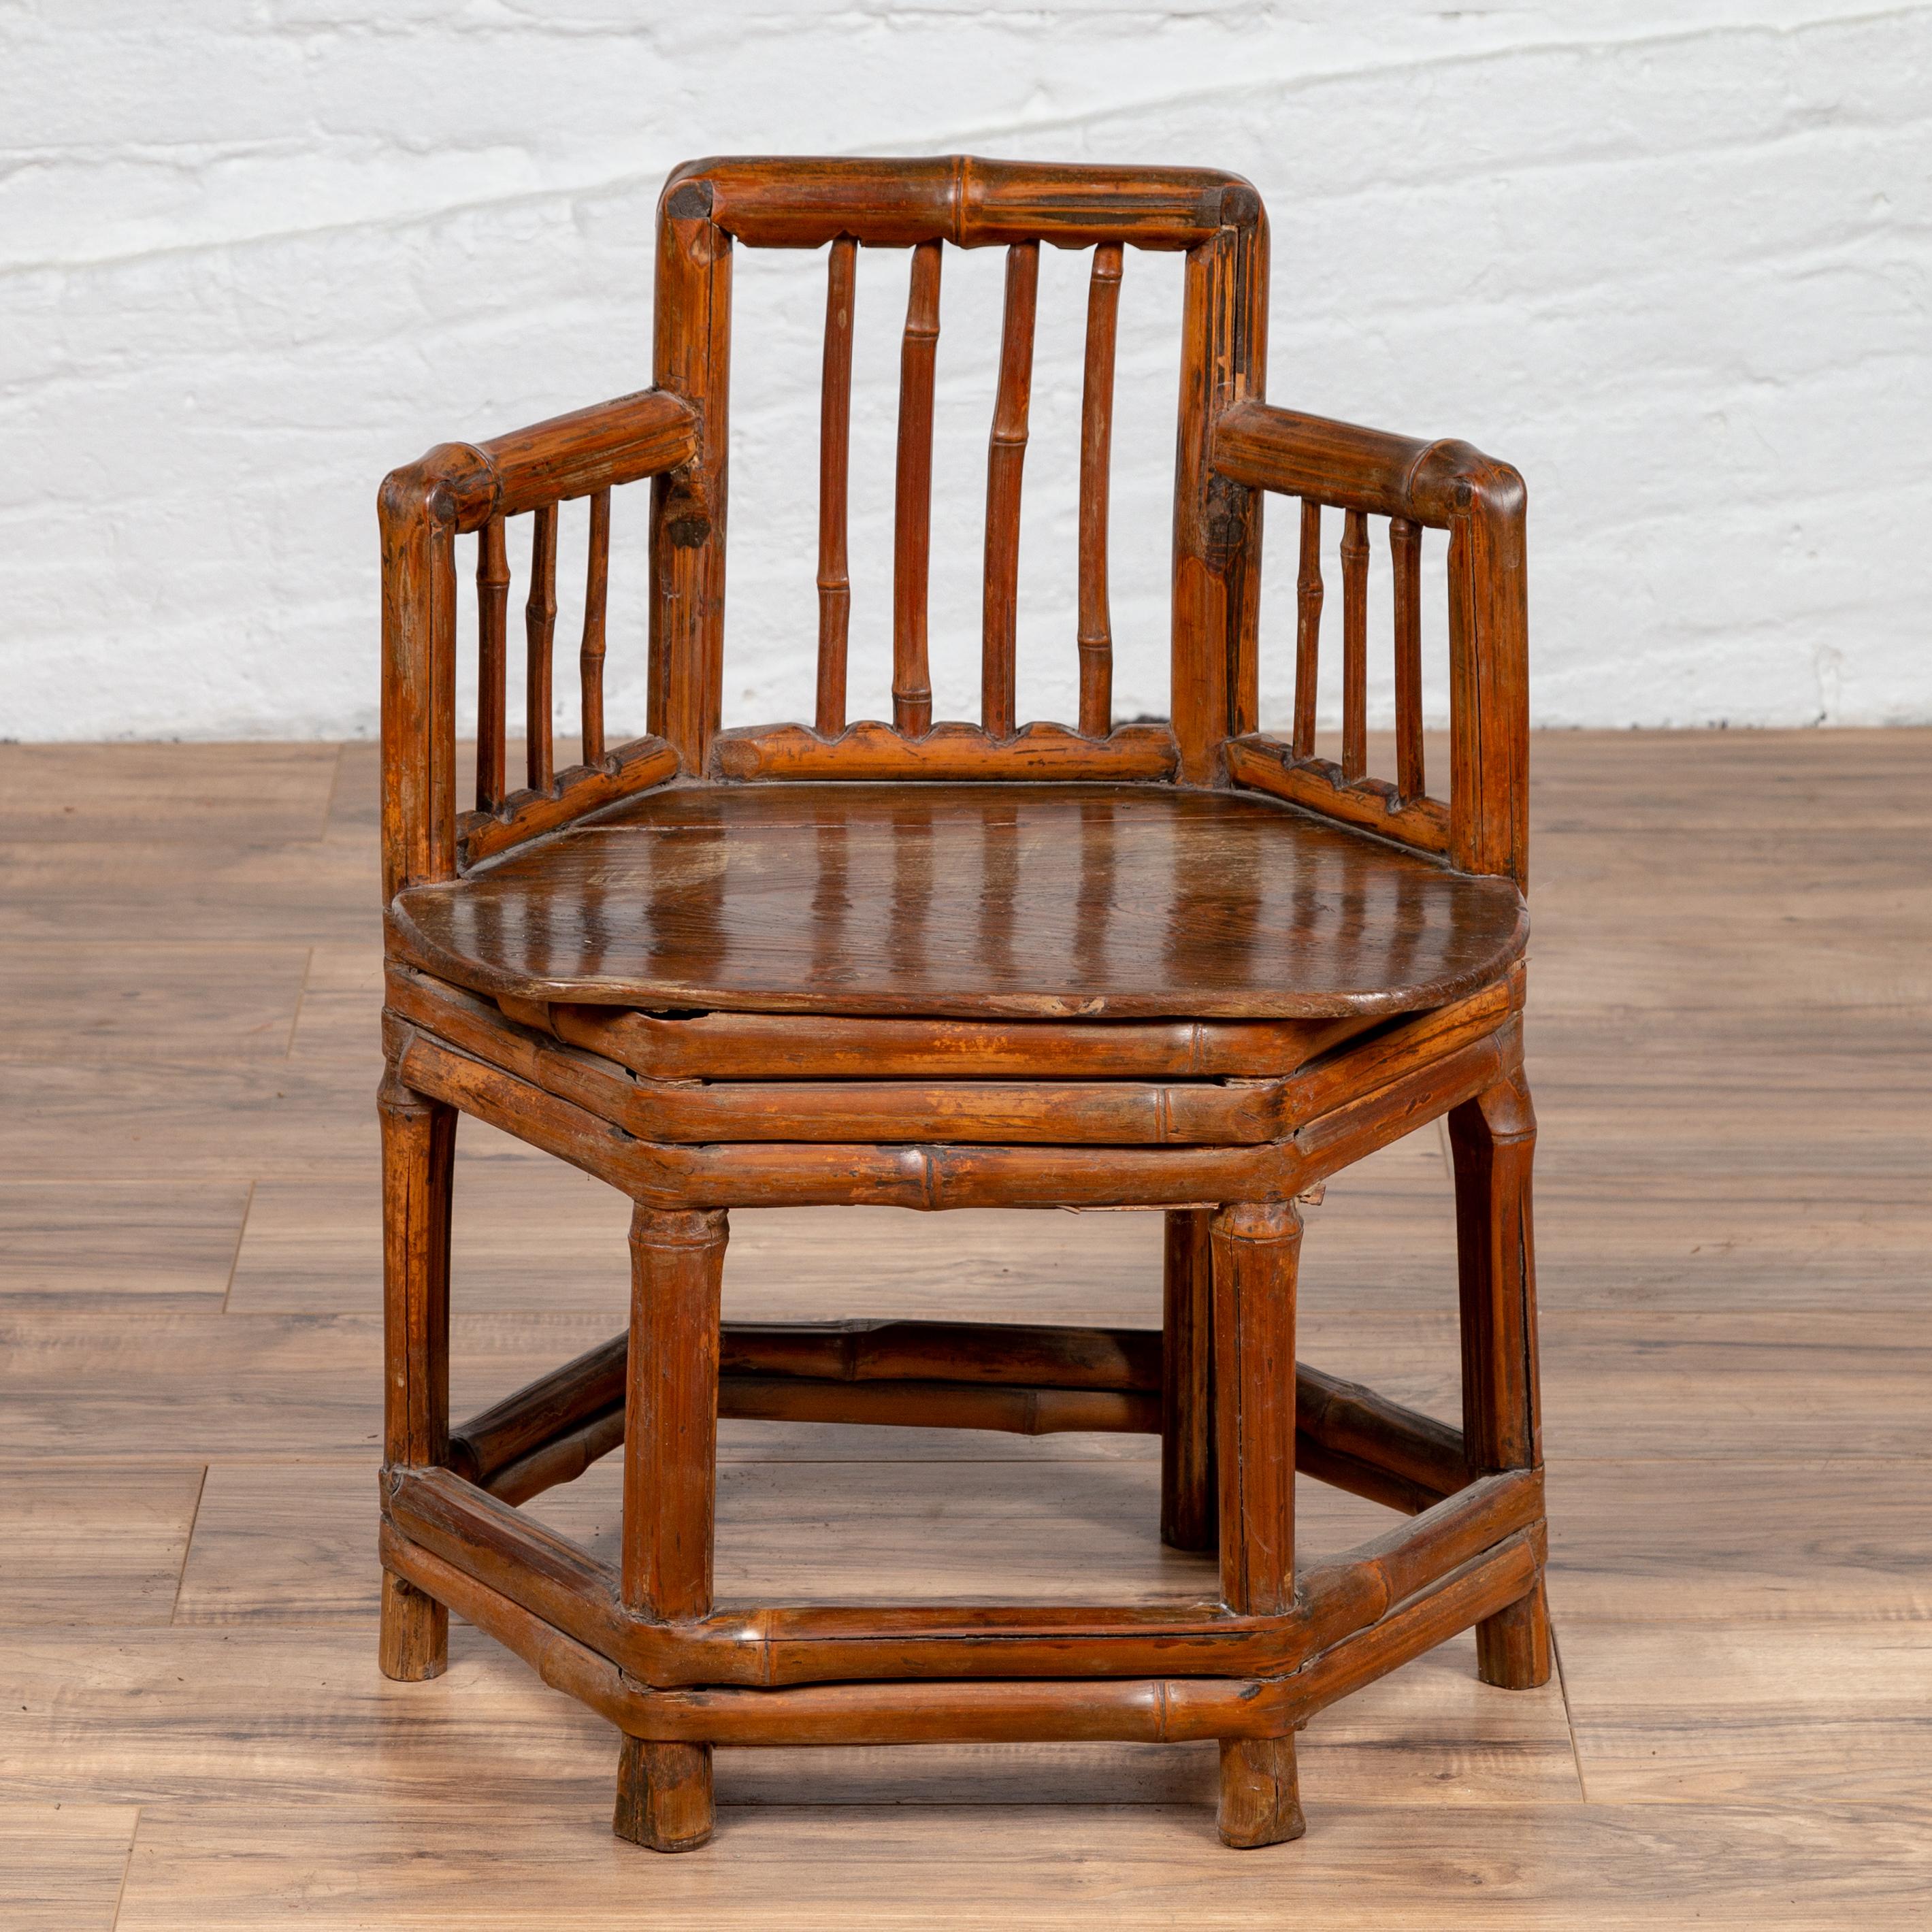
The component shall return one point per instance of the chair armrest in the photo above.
(422, 509)
(1358, 469)
(595, 449)
(1481, 503)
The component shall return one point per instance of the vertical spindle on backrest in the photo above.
(912, 680)
(590, 656)
(539, 627)
(835, 441)
(1355, 646)
(1006, 459)
(1405, 552)
(493, 601)
(1307, 629)
(1095, 635)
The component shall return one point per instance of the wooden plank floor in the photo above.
(1731, 1043)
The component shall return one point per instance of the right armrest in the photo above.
(1481, 503)
(1358, 469)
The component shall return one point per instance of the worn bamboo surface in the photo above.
(1730, 1033)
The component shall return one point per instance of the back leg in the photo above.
(1493, 1138)
(1187, 1499)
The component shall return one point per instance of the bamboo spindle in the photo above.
(912, 680)
(493, 598)
(1096, 634)
(1406, 553)
(1307, 629)
(1355, 646)
(590, 656)
(1006, 459)
(539, 629)
(835, 441)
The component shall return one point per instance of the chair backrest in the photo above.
(1232, 448)
(922, 206)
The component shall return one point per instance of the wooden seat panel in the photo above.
(967, 900)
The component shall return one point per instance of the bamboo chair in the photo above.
(1189, 967)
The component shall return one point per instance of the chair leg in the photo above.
(664, 1794)
(1187, 1499)
(418, 1154)
(1255, 1249)
(1493, 1138)
(1261, 1799)
(670, 1450)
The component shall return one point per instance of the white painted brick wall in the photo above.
(1670, 257)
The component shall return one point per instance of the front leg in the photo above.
(1256, 1249)
(418, 1161)
(671, 1482)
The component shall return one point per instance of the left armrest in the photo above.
(465, 484)
(422, 509)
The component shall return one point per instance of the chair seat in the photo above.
(967, 900)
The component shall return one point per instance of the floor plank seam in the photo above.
(1569, 1715)
(301, 997)
(334, 786)
(187, 1544)
(241, 1235)
(127, 1872)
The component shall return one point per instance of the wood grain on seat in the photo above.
(960, 900)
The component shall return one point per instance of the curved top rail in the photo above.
(793, 202)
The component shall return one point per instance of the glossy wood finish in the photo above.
(1012, 964)
(719, 899)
